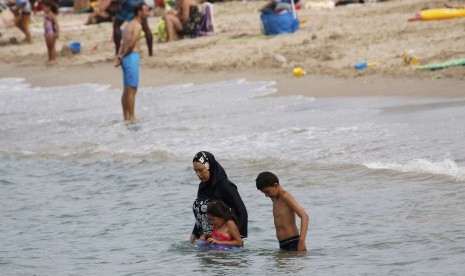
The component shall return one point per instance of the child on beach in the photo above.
(51, 29)
(284, 209)
(223, 220)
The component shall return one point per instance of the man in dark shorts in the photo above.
(126, 13)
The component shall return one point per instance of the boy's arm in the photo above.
(304, 219)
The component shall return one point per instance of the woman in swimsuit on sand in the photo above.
(185, 21)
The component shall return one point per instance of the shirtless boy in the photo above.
(284, 209)
(128, 58)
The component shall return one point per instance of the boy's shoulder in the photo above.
(287, 196)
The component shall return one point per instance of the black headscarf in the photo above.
(218, 187)
(217, 175)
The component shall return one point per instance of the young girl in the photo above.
(224, 225)
(51, 28)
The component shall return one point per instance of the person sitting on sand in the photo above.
(104, 11)
(184, 21)
(22, 10)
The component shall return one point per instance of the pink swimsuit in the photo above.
(221, 236)
(49, 27)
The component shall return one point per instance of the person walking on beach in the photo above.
(129, 58)
(51, 29)
(126, 13)
(284, 209)
(22, 10)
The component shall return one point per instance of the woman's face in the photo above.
(202, 173)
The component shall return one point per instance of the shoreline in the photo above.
(318, 86)
(327, 45)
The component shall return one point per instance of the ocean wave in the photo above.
(447, 167)
(92, 154)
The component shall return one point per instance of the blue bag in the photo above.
(278, 23)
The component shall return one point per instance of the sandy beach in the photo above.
(328, 44)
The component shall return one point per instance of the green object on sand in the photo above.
(444, 65)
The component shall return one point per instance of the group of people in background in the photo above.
(184, 20)
(23, 9)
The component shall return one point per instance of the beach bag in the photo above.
(279, 23)
(206, 25)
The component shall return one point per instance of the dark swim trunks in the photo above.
(289, 244)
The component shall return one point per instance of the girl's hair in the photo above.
(218, 208)
(52, 4)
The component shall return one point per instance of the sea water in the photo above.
(82, 193)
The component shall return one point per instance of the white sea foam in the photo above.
(231, 118)
(446, 167)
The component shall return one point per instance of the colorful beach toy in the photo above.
(75, 47)
(444, 65)
(438, 14)
(206, 245)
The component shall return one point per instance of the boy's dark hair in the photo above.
(266, 179)
(218, 208)
(52, 4)
(139, 7)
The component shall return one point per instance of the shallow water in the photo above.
(81, 193)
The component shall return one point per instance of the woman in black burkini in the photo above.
(214, 185)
